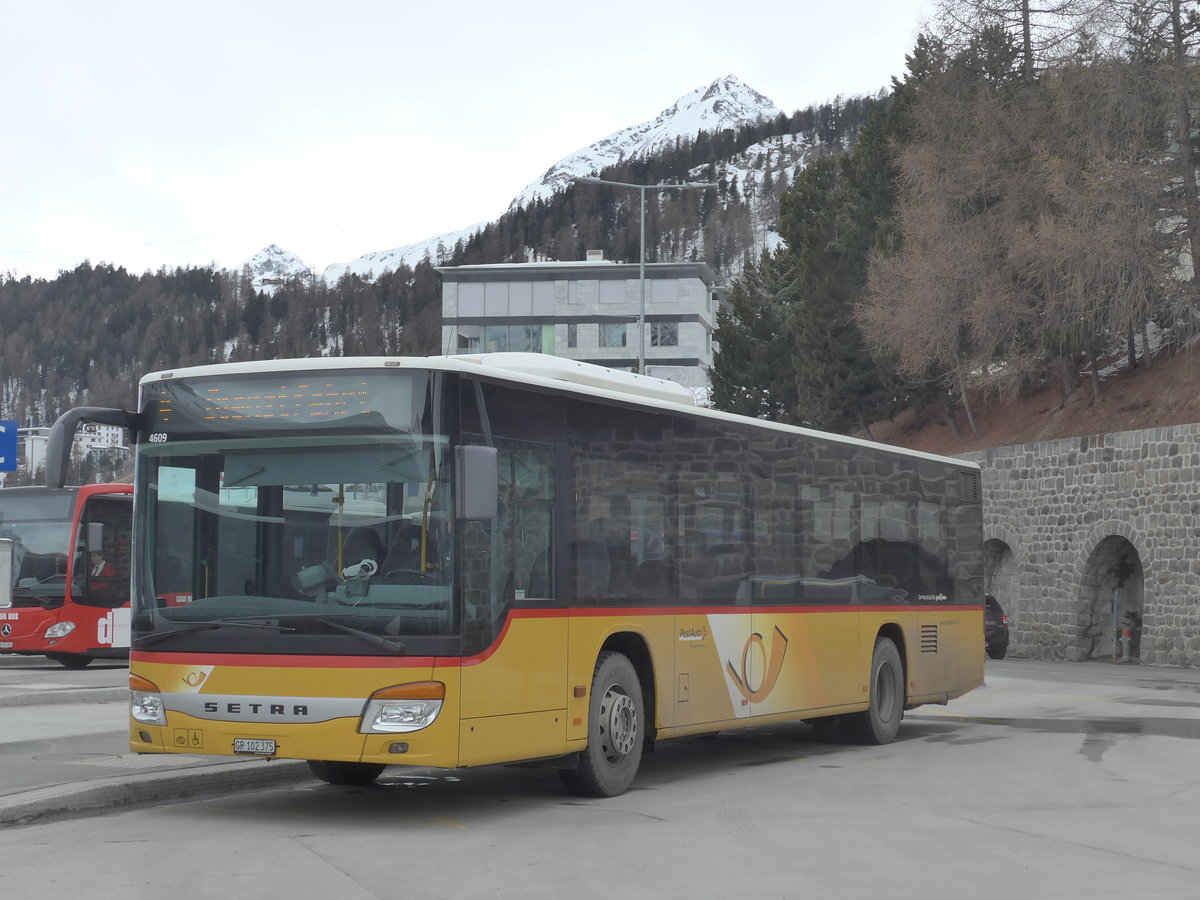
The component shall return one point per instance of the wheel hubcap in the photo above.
(618, 724)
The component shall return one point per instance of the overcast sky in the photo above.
(167, 133)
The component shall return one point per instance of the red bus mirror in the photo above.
(95, 537)
(6, 572)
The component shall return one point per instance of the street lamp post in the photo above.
(642, 188)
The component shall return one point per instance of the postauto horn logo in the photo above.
(774, 659)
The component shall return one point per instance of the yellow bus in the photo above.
(501, 558)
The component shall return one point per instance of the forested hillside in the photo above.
(86, 336)
(1024, 209)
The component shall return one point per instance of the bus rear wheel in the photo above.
(70, 660)
(880, 722)
(616, 731)
(345, 772)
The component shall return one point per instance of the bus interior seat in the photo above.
(362, 542)
(405, 552)
(650, 580)
(592, 570)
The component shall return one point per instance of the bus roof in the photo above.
(542, 370)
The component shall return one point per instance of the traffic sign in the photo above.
(8, 446)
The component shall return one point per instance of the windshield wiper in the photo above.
(156, 636)
(40, 599)
(373, 639)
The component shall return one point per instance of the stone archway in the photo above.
(1112, 591)
(1001, 580)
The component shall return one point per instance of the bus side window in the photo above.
(107, 567)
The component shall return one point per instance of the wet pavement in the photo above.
(64, 744)
(64, 749)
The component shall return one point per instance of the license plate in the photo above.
(254, 746)
(6, 645)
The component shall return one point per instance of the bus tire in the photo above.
(70, 660)
(616, 731)
(880, 722)
(351, 773)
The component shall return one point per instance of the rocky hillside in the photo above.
(1168, 393)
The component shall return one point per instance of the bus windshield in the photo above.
(39, 526)
(287, 544)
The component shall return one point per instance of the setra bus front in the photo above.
(295, 566)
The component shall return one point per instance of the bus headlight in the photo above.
(59, 629)
(145, 701)
(403, 707)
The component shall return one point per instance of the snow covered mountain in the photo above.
(273, 265)
(726, 103)
(438, 248)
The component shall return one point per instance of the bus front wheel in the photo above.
(616, 731)
(880, 722)
(345, 772)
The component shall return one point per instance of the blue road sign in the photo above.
(8, 446)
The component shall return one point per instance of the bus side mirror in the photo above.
(7, 554)
(478, 477)
(62, 436)
(95, 537)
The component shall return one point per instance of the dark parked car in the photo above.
(995, 628)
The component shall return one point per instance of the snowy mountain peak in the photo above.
(273, 265)
(726, 103)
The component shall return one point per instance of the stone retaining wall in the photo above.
(1080, 527)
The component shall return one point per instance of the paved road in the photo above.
(64, 747)
(1055, 780)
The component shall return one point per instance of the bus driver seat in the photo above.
(362, 542)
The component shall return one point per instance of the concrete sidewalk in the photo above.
(64, 752)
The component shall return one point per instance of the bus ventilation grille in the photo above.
(929, 639)
(970, 489)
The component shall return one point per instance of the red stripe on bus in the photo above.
(412, 662)
(281, 661)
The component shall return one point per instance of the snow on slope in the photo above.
(726, 103)
(438, 248)
(273, 265)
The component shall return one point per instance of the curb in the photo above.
(120, 793)
(67, 695)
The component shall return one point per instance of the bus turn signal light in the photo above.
(145, 701)
(403, 707)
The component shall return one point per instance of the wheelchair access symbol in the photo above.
(192, 738)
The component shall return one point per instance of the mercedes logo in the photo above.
(5, 629)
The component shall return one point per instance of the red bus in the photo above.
(66, 552)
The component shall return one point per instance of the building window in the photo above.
(495, 299)
(612, 291)
(572, 335)
(470, 299)
(664, 334)
(495, 338)
(543, 298)
(521, 338)
(612, 334)
(518, 338)
(664, 290)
